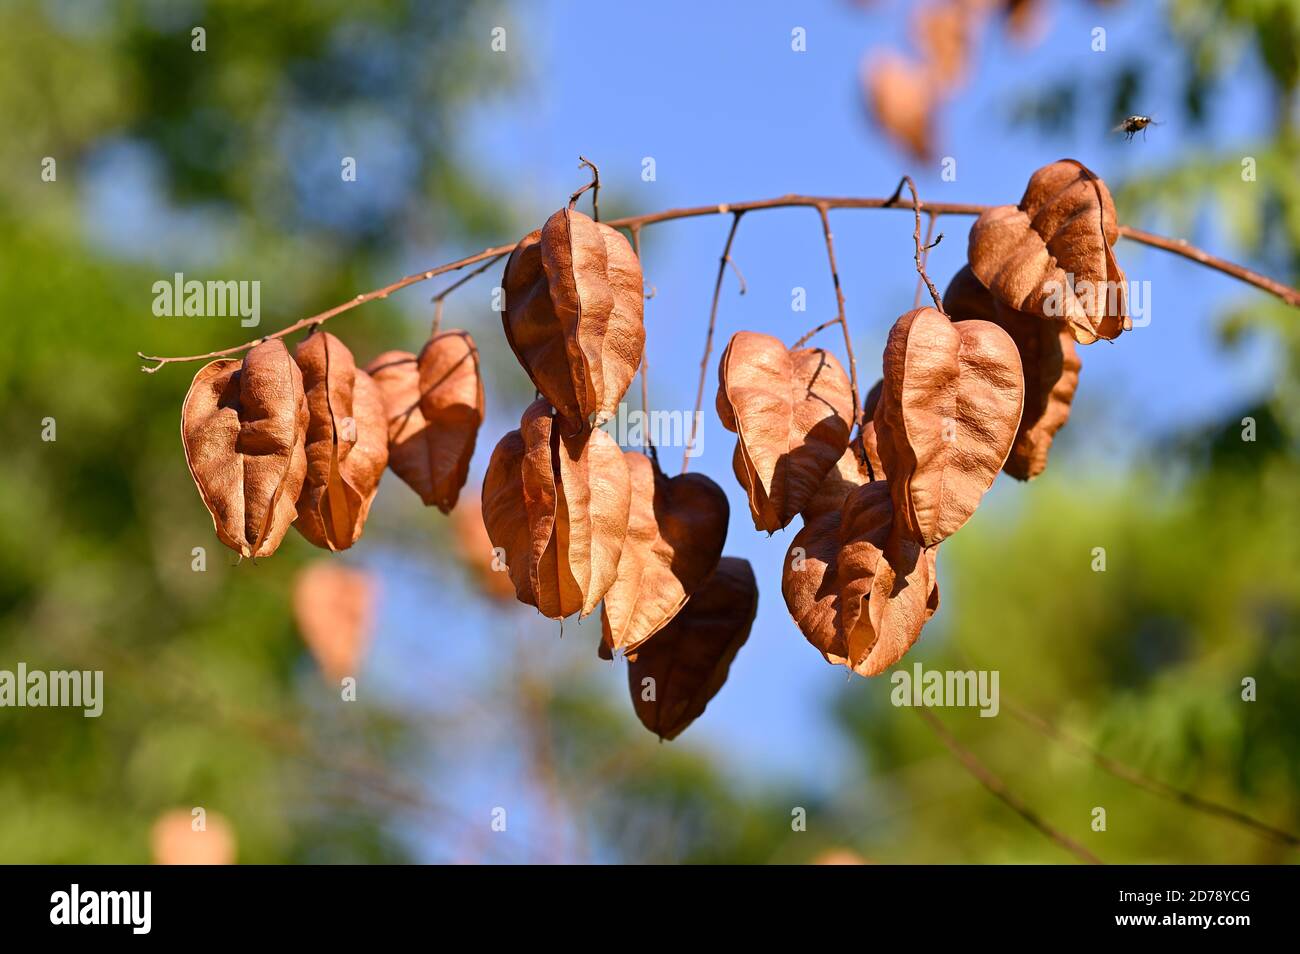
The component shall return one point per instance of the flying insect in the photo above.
(1134, 125)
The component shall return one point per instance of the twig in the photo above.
(708, 339)
(740, 276)
(822, 327)
(593, 185)
(840, 316)
(931, 218)
(442, 295)
(998, 789)
(1127, 774)
(1184, 248)
(916, 238)
(324, 316)
(1290, 296)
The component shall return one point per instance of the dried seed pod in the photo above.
(673, 676)
(1023, 19)
(347, 443)
(475, 551)
(1050, 362)
(244, 424)
(1052, 390)
(947, 417)
(434, 406)
(859, 588)
(675, 531)
(839, 856)
(902, 97)
(559, 506)
(573, 316)
(1051, 255)
(941, 31)
(866, 519)
(809, 579)
(334, 608)
(174, 840)
(966, 298)
(904, 596)
(792, 411)
(867, 438)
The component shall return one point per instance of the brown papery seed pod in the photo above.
(573, 315)
(673, 677)
(434, 405)
(244, 424)
(947, 417)
(558, 505)
(1051, 256)
(866, 439)
(1050, 362)
(174, 839)
(475, 551)
(904, 596)
(858, 589)
(810, 593)
(903, 97)
(792, 411)
(810, 575)
(941, 31)
(334, 608)
(347, 443)
(675, 531)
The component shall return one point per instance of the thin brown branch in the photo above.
(820, 328)
(1184, 248)
(998, 789)
(708, 338)
(439, 298)
(740, 276)
(324, 316)
(916, 238)
(593, 185)
(1131, 775)
(1177, 246)
(839, 313)
(931, 218)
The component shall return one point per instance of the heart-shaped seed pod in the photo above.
(853, 582)
(244, 424)
(673, 676)
(867, 438)
(334, 608)
(947, 417)
(942, 32)
(573, 315)
(1051, 255)
(475, 551)
(792, 411)
(1049, 394)
(558, 506)
(347, 443)
(434, 405)
(1050, 362)
(675, 531)
(902, 96)
(810, 576)
(904, 597)
(174, 840)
